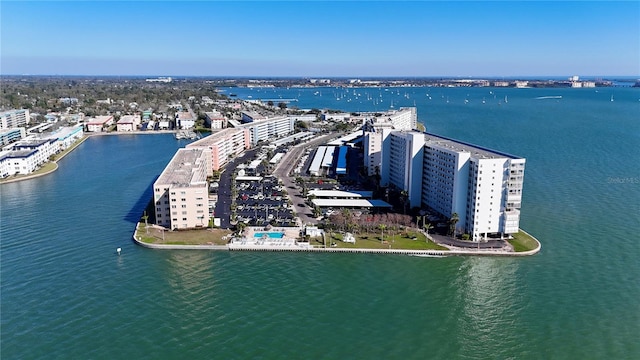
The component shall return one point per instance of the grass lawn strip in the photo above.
(401, 240)
(523, 242)
(184, 237)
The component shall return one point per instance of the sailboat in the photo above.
(611, 97)
(505, 99)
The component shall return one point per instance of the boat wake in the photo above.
(548, 97)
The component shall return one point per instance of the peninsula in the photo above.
(273, 176)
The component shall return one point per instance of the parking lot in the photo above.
(263, 202)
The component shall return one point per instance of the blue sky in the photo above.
(319, 38)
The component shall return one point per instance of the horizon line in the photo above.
(479, 77)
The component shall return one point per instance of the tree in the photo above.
(382, 227)
(452, 223)
(282, 105)
(427, 227)
(404, 197)
(145, 217)
(240, 227)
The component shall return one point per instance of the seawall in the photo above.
(438, 253)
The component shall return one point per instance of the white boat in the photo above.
(548, 97)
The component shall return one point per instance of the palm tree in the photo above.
(240, 227)
(452, 223)
(404, 197)
(382, 227)
(145, 217)
(427, 227)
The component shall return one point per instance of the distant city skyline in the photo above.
(321, 39)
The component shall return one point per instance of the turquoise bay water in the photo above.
(64, 293)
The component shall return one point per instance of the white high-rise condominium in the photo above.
(403, 167)
(482, 186)
(376, 129)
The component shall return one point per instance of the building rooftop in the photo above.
(31, 143)
(459, 146)
(185, 168)
(17, 154)
(129, 119)
(185, 115)
(341, 194)
(358, 203)
(65, 132)
(100, 120)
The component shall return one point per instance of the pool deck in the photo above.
(289, 232)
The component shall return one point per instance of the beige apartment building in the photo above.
(180, 193)
(224, 145)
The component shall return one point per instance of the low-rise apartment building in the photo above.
(99, 123)
(26, 156)
(216, 119)
(128, 123)
(9, 136)
(14, 118)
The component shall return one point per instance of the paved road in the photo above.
(223, 206)
(490, 244)
(283, 170)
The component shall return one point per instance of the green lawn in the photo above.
(397, 241)
(70, 148)
(523, 242)
(183, 237)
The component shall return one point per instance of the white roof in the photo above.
(360, 203)
(346, 138)
(341, 194)
(248, 178)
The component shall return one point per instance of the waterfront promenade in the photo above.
(291, 245)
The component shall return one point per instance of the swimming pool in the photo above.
(269, 234)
